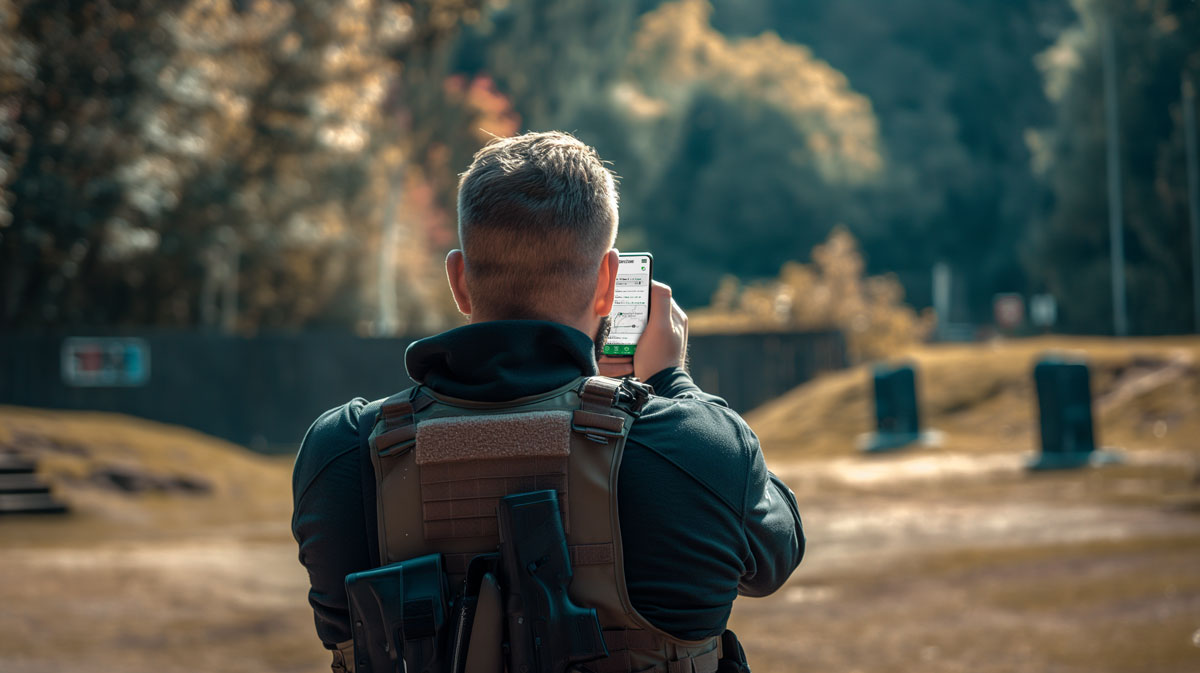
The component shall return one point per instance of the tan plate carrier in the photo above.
(442, 464)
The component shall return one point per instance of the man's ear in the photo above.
(606, 283)
(456, 274)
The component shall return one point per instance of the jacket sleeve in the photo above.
(676, 383)
(770, 518)
(774, 534)
(327, 517)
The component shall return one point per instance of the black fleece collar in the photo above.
(501, 360)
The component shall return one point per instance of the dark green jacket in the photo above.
(702, 519)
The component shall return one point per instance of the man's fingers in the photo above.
(663, 343)
(680, 318)
(660, 300)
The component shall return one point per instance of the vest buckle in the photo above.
(599, 428)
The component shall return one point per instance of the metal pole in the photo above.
(1193, 179)
(389, 241)
(941, 297)
(1115, 208)
(229, 300)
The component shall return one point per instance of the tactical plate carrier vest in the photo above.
(441, 465)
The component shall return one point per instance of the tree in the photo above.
(754, 149)
(734, 155)
(1156, 43)
(882, 120)
(69, 132)
(174, 161)
(555, 60)
(830, 293)
(956, 99)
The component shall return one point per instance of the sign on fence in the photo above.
(93, 362)
(1008, 309)
(1043, 310)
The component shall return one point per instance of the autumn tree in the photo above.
(734, 155)
(203, 162)
(753, 148)
(832, 292)
(70, 91)
(745, 129)
(957, 93)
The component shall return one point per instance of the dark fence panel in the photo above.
(261, 391)
(750, 369)
(265, 390)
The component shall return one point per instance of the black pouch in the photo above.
(399, 616)
(734, 659)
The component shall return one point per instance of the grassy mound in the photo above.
(125, 477)
(1146, 395)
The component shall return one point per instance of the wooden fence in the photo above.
(263, 391)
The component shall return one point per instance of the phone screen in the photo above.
(631, 305)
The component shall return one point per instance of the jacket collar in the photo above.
(501, 360)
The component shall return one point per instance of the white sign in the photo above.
(105, 362)
(1043, 310)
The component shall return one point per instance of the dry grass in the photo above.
(982, 398)
(955, 558)
(151, 581)
(76, 449)
(830, 293)
(1126, 606)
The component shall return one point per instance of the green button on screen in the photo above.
(619, 349)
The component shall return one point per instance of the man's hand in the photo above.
(663, 344)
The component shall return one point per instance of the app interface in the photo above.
(631, 305)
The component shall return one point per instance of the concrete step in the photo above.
(21, 483)
(10, 464)
(30, 503)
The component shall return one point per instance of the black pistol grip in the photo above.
(548, 632)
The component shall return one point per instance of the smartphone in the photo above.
(631, 307)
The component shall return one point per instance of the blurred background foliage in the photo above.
(262, 164)
(832, 292)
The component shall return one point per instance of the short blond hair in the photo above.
(536, 213)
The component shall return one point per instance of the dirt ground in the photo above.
(948, 557)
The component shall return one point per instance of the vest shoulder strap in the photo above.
(596, 418)
(601, 393)
(394, 431)
(598, 393)
(366, 424)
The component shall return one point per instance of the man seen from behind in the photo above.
(696, 519)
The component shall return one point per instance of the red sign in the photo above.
(105, 361)
(1008, 310)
